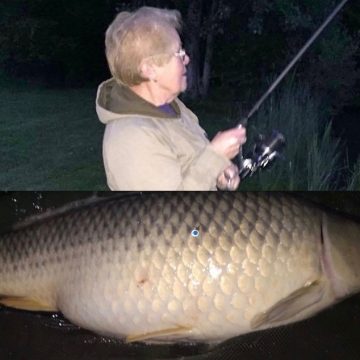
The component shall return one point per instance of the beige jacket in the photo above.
(146, 149)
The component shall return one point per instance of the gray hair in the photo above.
(133, 36)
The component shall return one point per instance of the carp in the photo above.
(176, 267)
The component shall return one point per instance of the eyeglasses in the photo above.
(181, 54)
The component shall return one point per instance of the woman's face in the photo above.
(171, 78)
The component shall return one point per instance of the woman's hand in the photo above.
(228, 142)
(229, 179)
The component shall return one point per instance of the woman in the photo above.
(152, 140)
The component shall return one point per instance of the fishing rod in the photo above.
(267, 148)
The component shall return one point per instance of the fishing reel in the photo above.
(265, 150)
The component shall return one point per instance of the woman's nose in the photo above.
(186, 59)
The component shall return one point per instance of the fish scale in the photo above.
(182, 266)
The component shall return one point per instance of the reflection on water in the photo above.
(333, 334)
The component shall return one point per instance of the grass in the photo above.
(314, 160)
(52, 140)
(354, 177)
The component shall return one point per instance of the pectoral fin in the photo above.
(291, 305)
(24, 303)
(158, 334)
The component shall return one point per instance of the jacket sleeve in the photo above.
(141, 160)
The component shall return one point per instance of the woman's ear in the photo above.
(147, 70)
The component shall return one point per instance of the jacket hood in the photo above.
(115, 101)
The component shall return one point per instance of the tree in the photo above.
(329, 65)
(192, 40)
(203, 22)
(53, 41)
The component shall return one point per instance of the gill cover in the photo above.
(341, 254)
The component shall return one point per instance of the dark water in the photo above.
(332, 334)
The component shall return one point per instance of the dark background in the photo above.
(62, 42)
(234, 47)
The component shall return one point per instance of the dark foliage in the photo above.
(62, 43)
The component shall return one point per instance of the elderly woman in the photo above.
(152, 141)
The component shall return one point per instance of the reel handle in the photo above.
(266, 149)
